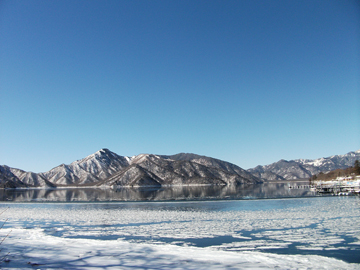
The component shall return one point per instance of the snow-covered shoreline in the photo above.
(35, 250)
(162, 235)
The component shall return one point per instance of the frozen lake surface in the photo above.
(291, 233)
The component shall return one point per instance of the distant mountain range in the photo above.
(107, 169)
(304, 168)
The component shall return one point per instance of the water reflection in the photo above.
(266, 190)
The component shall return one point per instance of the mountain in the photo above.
(105, 168)
(181, 169)
(87, 171)
(8, 179)
(304, 168)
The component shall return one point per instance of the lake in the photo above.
(262, 191)
(197, 228)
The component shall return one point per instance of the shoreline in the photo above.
(152, 186)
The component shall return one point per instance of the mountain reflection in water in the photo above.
(261, 191)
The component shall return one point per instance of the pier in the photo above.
(301, 186)
(339, 186)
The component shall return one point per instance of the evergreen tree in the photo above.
(357, 167)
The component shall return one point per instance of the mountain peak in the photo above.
(103, 151)
(101, 154)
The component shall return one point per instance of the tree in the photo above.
(357, 167)
(3, 257)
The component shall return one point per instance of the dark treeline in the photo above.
(351, 171)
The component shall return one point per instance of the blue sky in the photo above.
(249, 82)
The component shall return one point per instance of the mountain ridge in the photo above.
(107, 169)
(304, 168)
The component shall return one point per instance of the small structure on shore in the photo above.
(349, 185)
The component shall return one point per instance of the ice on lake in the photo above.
(292, 233)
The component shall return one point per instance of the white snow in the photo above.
(139, 158)
(34, 249)
(131, 235)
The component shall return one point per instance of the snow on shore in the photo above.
(35, 250)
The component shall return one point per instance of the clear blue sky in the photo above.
(249, 82)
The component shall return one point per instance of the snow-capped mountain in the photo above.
(87, 171)
(8, 179)
(105, 168)
(181, 169)
(304, 168)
